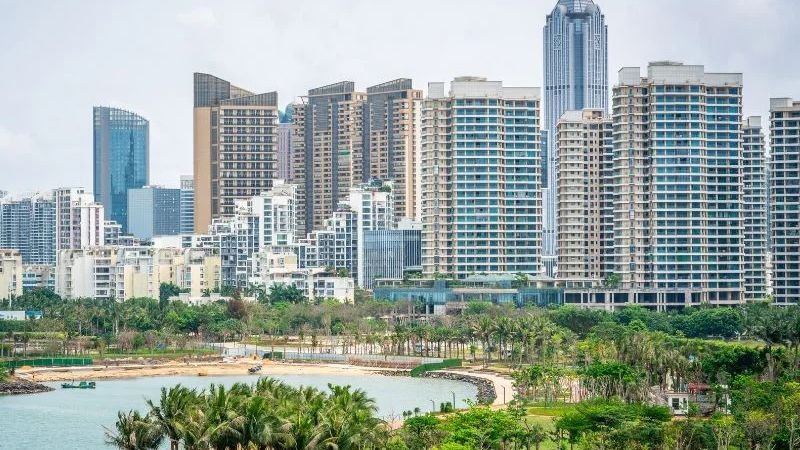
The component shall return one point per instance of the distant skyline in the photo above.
(63, 58)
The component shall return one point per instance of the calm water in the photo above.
(70, 419)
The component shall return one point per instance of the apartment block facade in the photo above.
(11, 271)
(584, 194)
(187, 204)
(342, 138)
(235, 146)
(80, 221)
(784, 124)
(481, 187)
(678, 221)
(29, 225)
(755, 210)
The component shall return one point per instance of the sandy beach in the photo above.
(236, 367)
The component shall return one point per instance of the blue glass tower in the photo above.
(121, 159)
(575, 77)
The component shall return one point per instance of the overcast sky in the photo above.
(60, 58)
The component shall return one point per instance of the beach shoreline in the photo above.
(173, 368)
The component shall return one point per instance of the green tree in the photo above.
(612, 281)
(171, 412)
(165, 291)
(133, 431)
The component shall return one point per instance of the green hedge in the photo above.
(45, 362)
(446, 364)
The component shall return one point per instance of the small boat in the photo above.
(255, 369)
(81, 385)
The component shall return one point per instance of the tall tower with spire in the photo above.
(575, 77)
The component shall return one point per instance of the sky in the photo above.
(60, 58)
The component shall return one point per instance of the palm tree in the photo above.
(170, 413)
(484, 329)
(134, 432)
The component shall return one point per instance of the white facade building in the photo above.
(678, 181)
(481, 185)
(784, 136)
(272, 269)
(123, 273)
(11, 271)
(80, 221)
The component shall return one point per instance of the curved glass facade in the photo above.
(121, 159)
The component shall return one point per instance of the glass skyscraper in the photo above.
(575, 77)
(121, 158)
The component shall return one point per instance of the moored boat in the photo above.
(81, 385)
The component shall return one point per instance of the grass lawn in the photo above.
(553, 410)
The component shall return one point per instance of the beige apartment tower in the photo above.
(343, 138)
(235, 146)
(585, 197)
(392, 141)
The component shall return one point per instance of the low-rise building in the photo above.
(128, 272)
(42, 276)
(271, 269)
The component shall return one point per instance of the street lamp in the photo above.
(454, 399)
(433, 406)
(504, 394)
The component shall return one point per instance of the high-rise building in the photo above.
(80, 221)
(155, 211)
(29, 225)
(187, 204)
(755, 209)
(585, 192)
(285, 150)
(342, 138)
(575, 77)
(373, 203)
(121, 158)
(481, 190)
(678, 183)
(328, 136)
(235, 146)
(390, 150)
(784, 185)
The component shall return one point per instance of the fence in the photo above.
(387, 361)
(46, 362)
(446, 364)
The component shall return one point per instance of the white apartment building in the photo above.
(481, 178)
(123, 273)
(373, 203)
(271, 269)
(80, 221)
(784, 136)
(755, 210)
(11, 271)
(678, 182)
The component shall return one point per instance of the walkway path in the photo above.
(503, 386)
